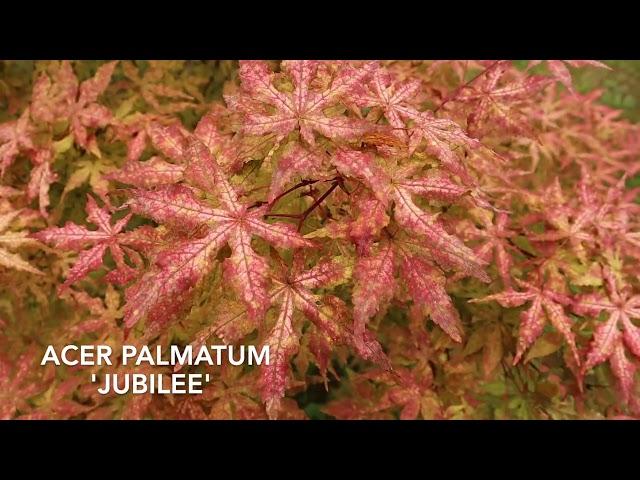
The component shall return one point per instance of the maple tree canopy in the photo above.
(324, 239)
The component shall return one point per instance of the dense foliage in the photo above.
(430, 239)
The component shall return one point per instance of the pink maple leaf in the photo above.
(16, 137)
(76, 238)
(376, 285)
(292, 291)
(495, 235)
(148, 174)
(136, 131)
(532, 321)
(179, 268)
(42, 176)
(608, 341)
(392, 97)
(494, 105)
(303, 108)
(441, 136)
(65, 98)
(446, 248)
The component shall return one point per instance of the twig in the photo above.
(338, 181)
(295, 187)
(313, 206)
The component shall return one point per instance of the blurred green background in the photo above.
(621, 86)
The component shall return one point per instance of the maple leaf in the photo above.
(103, 313)
(426, 285)
(612, 214)
(76, 237)
(92, 171)
(303, 108)
(292, 291)
(532, 321)
(148, 174)
(621, 234)
(137, 131)
(41, 179)
(230, 151)
(75, 102)
(152, 87)
(50, 99)
(170, 139)
(16, 137)
(496, 105)
(369, 218)
(375, 285)
(180, 268)
(496, 234)
(392, 97)
(608, 341)
(283, 342)
(446, 248)
(442, 136)
(11, 240)
(575, 223)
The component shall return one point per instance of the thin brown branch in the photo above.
(315, 204)
(338, 181)
(295, 187)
